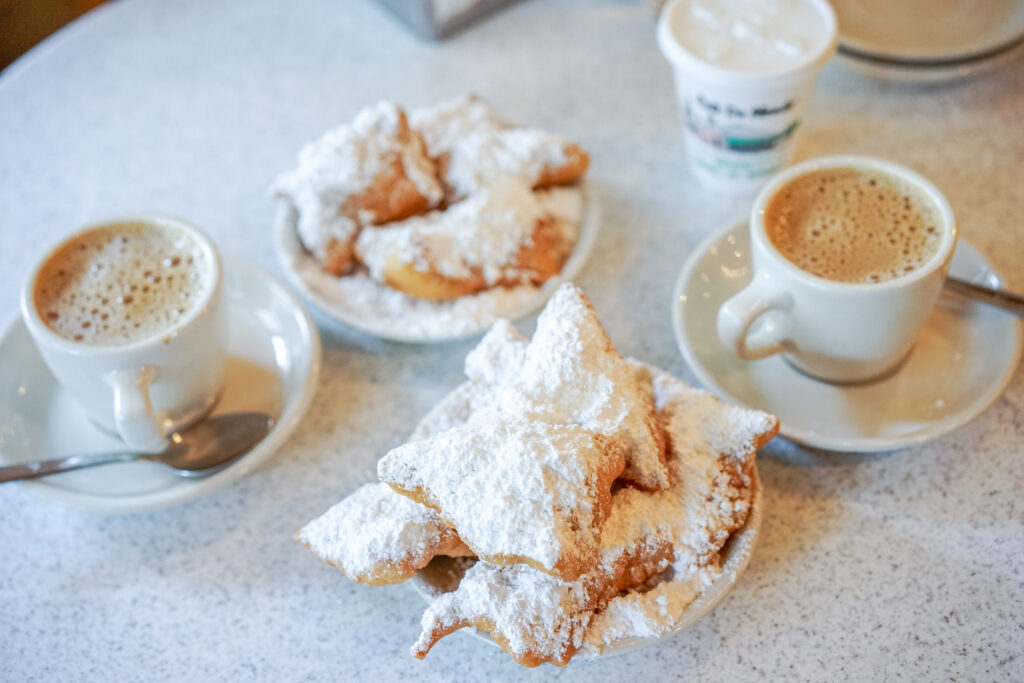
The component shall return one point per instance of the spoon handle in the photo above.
(995, 297)
(42, 468)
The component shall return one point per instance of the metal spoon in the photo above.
(995, 297)
(201, 450)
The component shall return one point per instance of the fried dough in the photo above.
(374, 171)
(538, 618)
(500, 237)
(377, 537)
(517, 491)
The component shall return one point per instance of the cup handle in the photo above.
(737, 315)
(137, 422)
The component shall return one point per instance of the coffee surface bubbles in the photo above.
(853, 225)
(121, 283)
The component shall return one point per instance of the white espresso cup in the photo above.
(836, 331)
(143, 385)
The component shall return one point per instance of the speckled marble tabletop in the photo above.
(904, 566)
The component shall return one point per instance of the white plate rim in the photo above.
(816, 439)
(287, 247)
(926, 73)
(893, 55)
(286, 423)
(860, 54)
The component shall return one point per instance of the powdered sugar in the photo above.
(389, 312)
(521, 488)
(711, 496)
(479, 149)
(477, 160)
(642, 615)
(506, 239)
(482, 234)
(375, 533)
(454, 410)
(514, 488)
(572, 373)
(712, 448)
(531, 612)
(442, 125)
(700, 422)
(498, 357)
(343, 163)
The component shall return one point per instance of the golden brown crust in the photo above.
(649, 481)
(338, 260)
(430, 284)
(566, 174)
(377, 537)
(389, 572)
(392, 196)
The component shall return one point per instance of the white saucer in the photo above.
(926, 73)
(963, 360)
(929, 32)
(923, 41)
(274, 363)
(419, 322)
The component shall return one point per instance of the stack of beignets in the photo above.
(572, 475)
(446, 203)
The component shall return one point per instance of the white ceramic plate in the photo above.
(928, 32)
(443, 574)
(961, 363)
(333, 306)
(926, 73)
(273, 367)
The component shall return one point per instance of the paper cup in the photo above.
(739, 125)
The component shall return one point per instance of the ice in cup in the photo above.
(744, 71)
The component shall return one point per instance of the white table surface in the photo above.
(907, 566)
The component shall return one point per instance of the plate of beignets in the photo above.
(564, 500)
(431, 225)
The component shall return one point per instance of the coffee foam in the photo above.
(853, 225)
(121, 283)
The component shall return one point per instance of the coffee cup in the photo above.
(849, 255)
(744, 73)
(128, 316)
